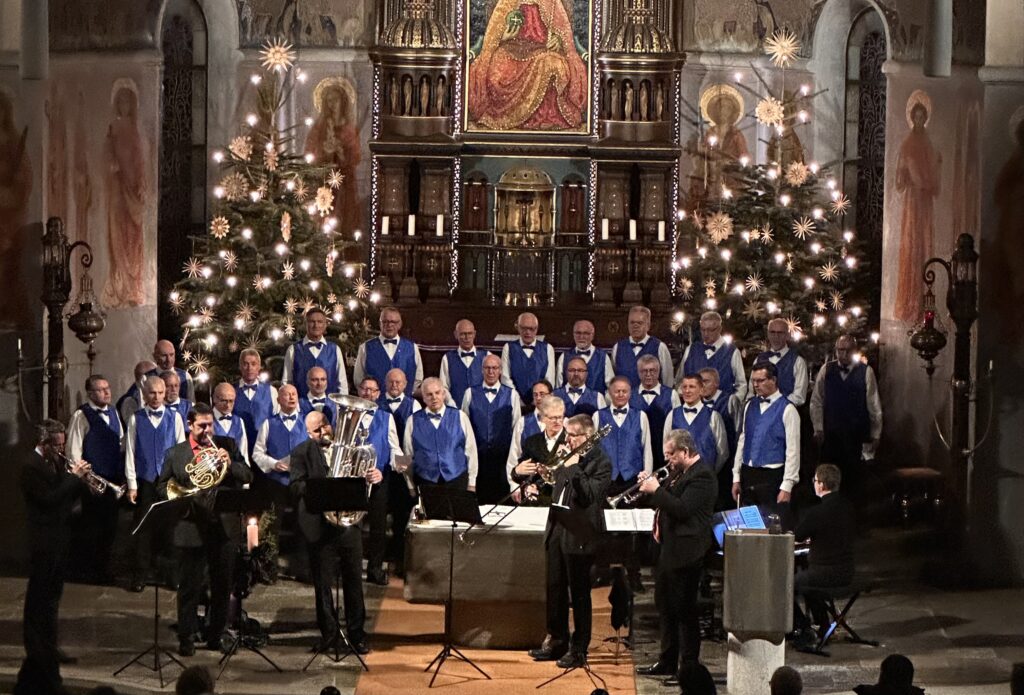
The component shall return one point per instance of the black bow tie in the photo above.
(155, 413)
(772, 353)
(765, 399)
(317, 400)
(434, 416)
(395, 400)
(576, 391)
(638, 345)
(648, 392)
(288, 418)
(390, 341)
(225, 417)
(620, 411)
(690, 410)
(709, 348)
(528, 347)
(250, 388)
(470, 354)
(583, 353)
(318, 345)
(844, 370)
(491, 390)
(105, 412)
(708, 402)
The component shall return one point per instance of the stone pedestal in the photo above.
(750, 664)
(632, 293)
(409, 291)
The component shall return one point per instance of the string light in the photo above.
(252, 119)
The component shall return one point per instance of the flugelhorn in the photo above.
(97, 483)
(205, 471)
(633, 494)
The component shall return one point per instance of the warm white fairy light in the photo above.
(726, 255)
(744, 161)
(817, 213)
(308, 121)
(255, 78)
(710, 304)
(772, 307)
(218, 156)
(784, 200)
(848, 236)
(737, 76)
(311, 208)
(814, 167)
(815, 248)
(353, 305)
(805, 89)
(808, 283)
(803, 116)
(375, 297)
(831, 183)
(309, 158)
(276, 333)
(231, 281)
(252, 119)
(712, 140)
(819, 320)
(314, 285)
(875, 336)
(851, 262)
(738, 288)
(685, 262)
(702, 252)
(856, 311)
(255, 196)
(745, 235)
(357, 235)
(349, 271)
(218, 192)
(304, 264)
(210, 300)
(247, 233)
(780, 258)
(773, 173)
(842, 319)
(207, 272)
(281, 249)
(301, 76)
(680, 215)
(239, 324)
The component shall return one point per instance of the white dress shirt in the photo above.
(575, 397)
(467, 430)
(874, 405)
(506, 366)
(739, 375)
(398, 404)
(129, 442)
(396, 446)
(664, 357)
(445, 374)
(609, 368)
(359, 368)
(260, 457)
(717, 431)
(78, 427)
(514, 400)
(221, 431)
(240, 392)
(800, 377)
(791, 421)
(288, 375)
(645, 433)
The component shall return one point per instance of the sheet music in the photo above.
(629, 520)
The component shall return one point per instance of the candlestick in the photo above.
(440, 225)
(604, 229)
(385, 225)
(661, 230)
(412, 225)
(632, 230)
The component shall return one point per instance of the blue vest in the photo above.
(657, 412)
(700, 428)
(586, 404)
(625, 360)
(152, 443)
(784, 367)
(378, 438)
(255, 412)
(531, 426)
(595, 369)
(527, 371)
(721, 406)
(280, 442)
(764, 437)
(401, 413)
(624, 445)
(846, 408)
(303, 361)
(461, 376)
(234, 429)
(378, 364)
(438, 454)
(492, 422)
(328, 409)
(721, 360)
(182, 407)
(101, 446)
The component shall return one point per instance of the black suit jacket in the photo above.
(685, 507)
(50, 492)
(309, 462)
(535, 448)
(831, 529)
(585, 486)
(200, 522)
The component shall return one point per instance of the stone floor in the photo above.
(962, 643)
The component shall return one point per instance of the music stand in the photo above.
(162, 514)
(450, 504)
(242, 502)
(337, 495)
(579, 527)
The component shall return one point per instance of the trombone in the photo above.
(97, 483)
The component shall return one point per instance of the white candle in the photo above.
(252, 534)
(19, 346)
(385, 225)
(632, 230)
(412, 225)
(440, 225)
(604, 229)
(661, 230)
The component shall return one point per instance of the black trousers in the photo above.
(492, 479)
(216, 555)
(377, 521)
(825, 577)
(760, 486)
(844, 450)
(99, 515)
(568, 583)
(675, 596)
(459, 483)
(39, 624)
(338, 554)
(400, 504)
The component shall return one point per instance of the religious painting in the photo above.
(15, 189)
(333, 140)
(743, 26)
(918, 182)
(127, 194)
(722, 143)
(327, 23)
(528, 66)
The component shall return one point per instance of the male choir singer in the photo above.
(715, 351)
(627, 351)
(579, 398)
(257, 400)
(441, 442)
(493, 409)
(462, 367)
(377, 356)
(599, 362)
(526, 361)
(314, 350)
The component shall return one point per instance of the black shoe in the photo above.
(572, 660)
(379, 577)
(65, 658)
(324, 644)
(221, 643)
(360, 646)
(548, 652)
(186, 648)
(655, 669)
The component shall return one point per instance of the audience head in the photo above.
(710, 327)
(583, 334)
(619, 391)
(395, 382)
(195, 680)
(491, 367)
(316, 323)
(710, 380)
(465, 333)
(695, 679)
(786, 681)
(390, 322)
(527, 325)
(330, 690)
(649, 369)
(288, 398)
(97, 388)
(539, 390)
(1017, 679)
(164, 354)
(827, 478)
(224, 398)
(576, 372)
(896, 670)
(316, 381)
(249, 364)
(639, 322)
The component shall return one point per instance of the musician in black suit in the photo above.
(50, 491)
(580, 485)
(203, 537)
(684, 507)
(538, 448)
(325, 542)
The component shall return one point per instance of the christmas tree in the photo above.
(761, 241)
(274, 249)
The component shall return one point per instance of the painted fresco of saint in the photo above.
(529, 74)
(126, 200)
(918, 181)
(334, 141)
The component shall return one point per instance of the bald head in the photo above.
(465, 333)
(142, 369)
(224, 398)
(163, 354)
(316, 381)
(492, 370)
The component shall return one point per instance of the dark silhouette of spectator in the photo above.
(786, 681)
(895, 677)
(695, 679)
(330, 690)
(195, 680)
(1017, 679)
(102, 690)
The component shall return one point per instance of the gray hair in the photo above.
(681, 440)
(550, 403)
(48, 429)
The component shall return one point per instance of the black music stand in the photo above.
(337, 495)
(163, 514)
(449, 504)
(242, 502)
(578, 525)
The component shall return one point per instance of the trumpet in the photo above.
(97, 483)
(633, 494)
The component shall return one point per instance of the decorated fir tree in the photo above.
(274, 249)
(770, 239)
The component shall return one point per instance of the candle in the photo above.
(440, 225)
(385, 225)
(661, 230)
(412, 225)
(632, 230)
(604, 229)
(19, 346)
(252, 534)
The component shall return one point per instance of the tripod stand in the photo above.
(333, 649)
(453, 505)
(162, 515)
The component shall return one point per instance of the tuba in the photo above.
(205, 471)
(350, 456)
